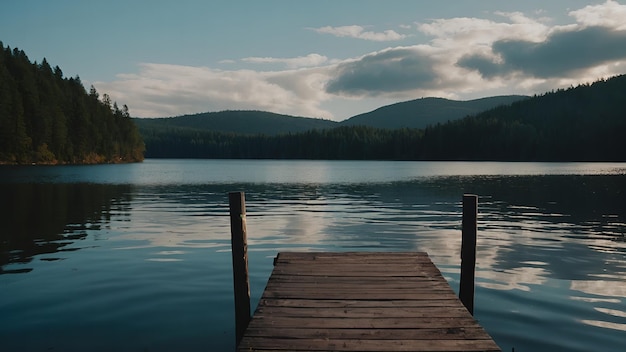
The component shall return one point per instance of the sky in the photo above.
(323, 59)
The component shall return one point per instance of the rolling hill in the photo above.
(238, 122)
(420, 113)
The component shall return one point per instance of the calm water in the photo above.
(137, 257)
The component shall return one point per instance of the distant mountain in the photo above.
(238, 122)
(421, 113)
(417, 113)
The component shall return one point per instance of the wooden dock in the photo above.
(361, 301)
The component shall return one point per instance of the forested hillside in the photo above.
(421, 113)
(240, 122)
(46, 118)
(584, 123)
(418, 113)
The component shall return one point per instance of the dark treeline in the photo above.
(46, 118)
(354, 142)
(584, 123)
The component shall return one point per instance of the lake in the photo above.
(136, 257)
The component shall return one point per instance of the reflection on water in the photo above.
(144, 257)
(569, 226)
(45, 220)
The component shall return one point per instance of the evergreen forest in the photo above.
(48, 119)
(583, 123)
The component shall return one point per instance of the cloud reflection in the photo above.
(605, 324)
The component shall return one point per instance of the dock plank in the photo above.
(273, 344)
(361, 301)
(378, 334)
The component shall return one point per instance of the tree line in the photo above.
(348, 142)
(46, 118)
(583, 123)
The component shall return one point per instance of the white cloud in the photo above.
(464, 32)
(431, 69)
(610, 14)
(471, 57)
(360, 33)
(300, 61)
(169, 90)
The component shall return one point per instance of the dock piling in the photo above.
(239, 244)
(468, 251)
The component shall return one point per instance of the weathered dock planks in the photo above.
(361, 301)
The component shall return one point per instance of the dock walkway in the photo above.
(361, 301)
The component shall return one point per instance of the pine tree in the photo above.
(46, 118)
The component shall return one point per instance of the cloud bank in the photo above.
(562, 54)
(171, 90)
(464, 58)
(399, 69)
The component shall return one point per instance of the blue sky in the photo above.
(327, 59)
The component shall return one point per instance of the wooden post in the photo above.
(239, 244)
(468, 251)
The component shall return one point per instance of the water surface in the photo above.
(136, 257)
